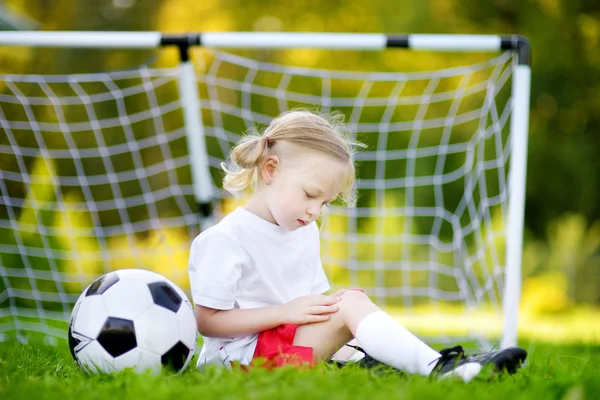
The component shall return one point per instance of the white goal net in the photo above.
(96, 177)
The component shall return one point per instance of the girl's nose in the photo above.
(313, 210)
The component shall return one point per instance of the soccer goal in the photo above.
(109, 170)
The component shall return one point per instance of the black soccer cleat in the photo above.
(453, 361)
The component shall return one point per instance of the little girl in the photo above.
(256, 277)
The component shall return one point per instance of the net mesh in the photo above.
(96, 177)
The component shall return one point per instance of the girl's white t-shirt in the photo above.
(246, 262)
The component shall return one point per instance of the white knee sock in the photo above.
(387, 341)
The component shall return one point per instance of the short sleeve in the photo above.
(215, 267)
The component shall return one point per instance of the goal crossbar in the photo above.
(271, 40)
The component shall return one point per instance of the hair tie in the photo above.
(269, 141)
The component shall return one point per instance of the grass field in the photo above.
(570, 372)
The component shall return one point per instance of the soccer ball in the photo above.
(132, 318)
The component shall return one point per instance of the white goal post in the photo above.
(504, 272)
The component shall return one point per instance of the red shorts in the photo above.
(275, 347)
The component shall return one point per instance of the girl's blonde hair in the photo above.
(324, 134)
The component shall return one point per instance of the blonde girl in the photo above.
(257, 280)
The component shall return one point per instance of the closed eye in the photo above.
(312, 196)
(309, 195)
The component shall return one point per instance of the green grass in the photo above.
(570, 372)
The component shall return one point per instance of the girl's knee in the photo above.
(354, 307)
(353, 296)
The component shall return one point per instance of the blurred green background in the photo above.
(561, 262)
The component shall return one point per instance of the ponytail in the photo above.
(245, 157)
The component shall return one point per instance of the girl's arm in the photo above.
(232, 323)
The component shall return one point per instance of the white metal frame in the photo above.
(194, 127)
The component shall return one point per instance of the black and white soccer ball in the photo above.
(132, 319)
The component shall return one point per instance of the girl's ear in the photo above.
(269, 168)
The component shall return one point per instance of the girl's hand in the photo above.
(309, 309)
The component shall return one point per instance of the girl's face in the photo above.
(299, 191)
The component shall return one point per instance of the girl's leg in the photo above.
(380, 335)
